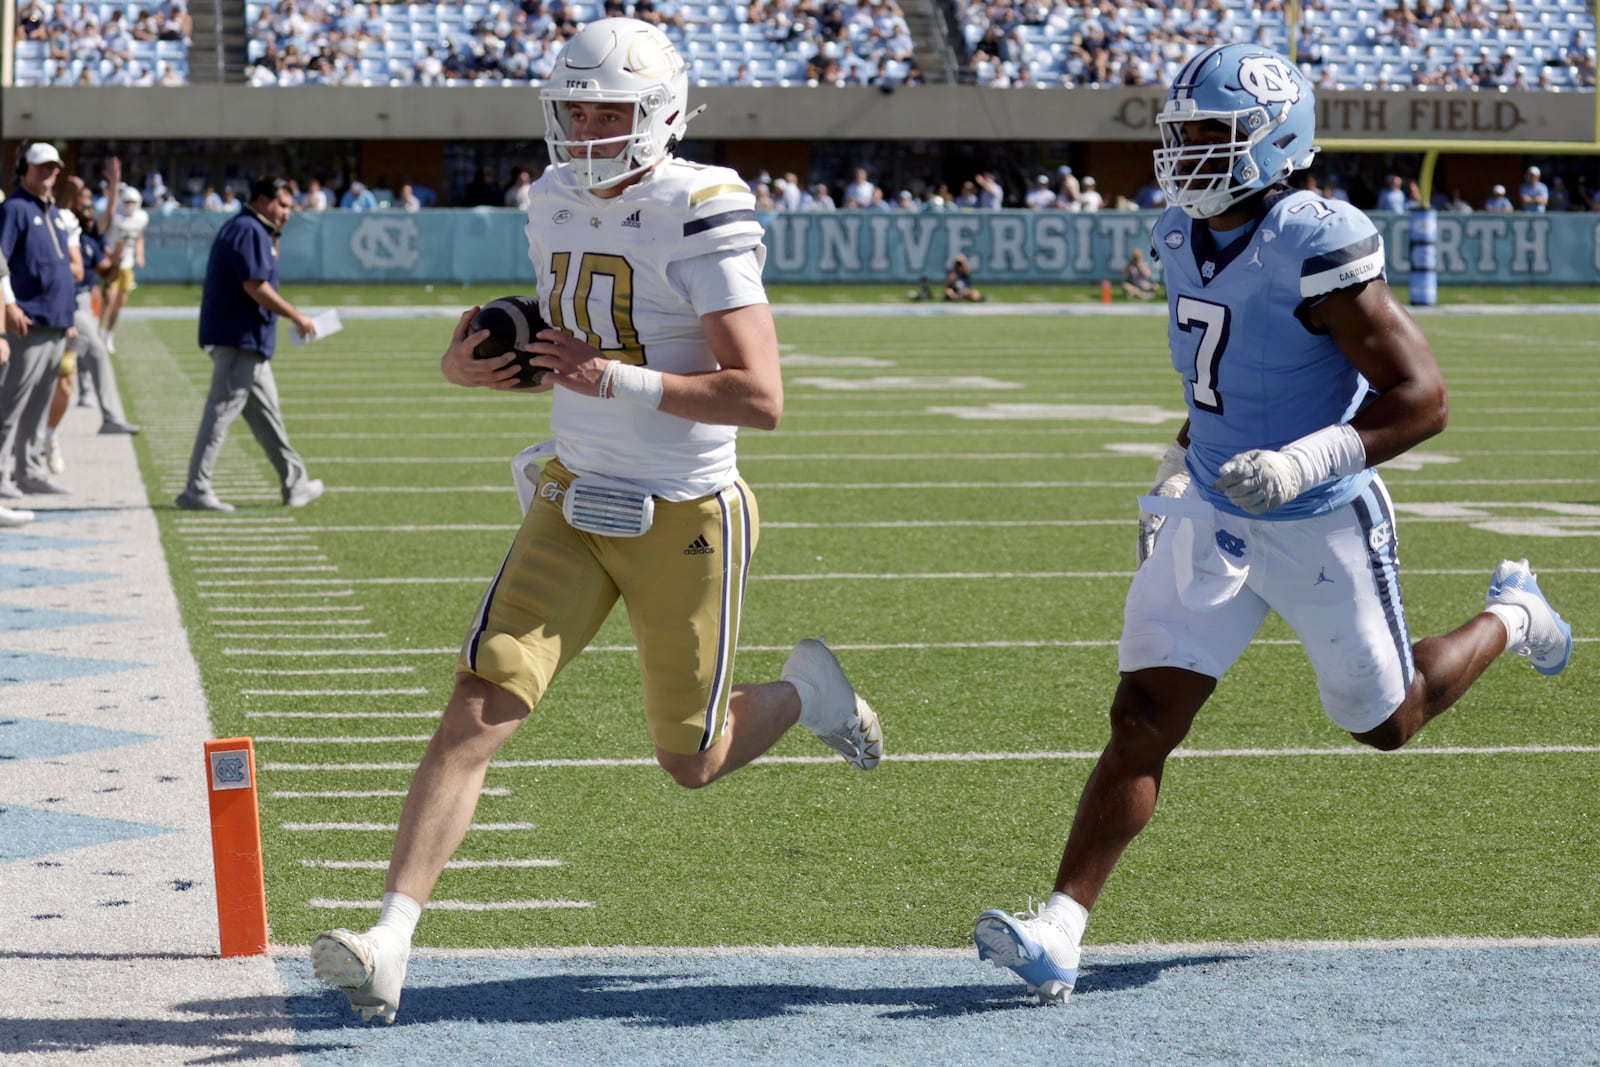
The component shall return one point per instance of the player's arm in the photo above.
(745, 390)
(1381, 339)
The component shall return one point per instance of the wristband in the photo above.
(1332, 452)
(624, 381)
(6, 292)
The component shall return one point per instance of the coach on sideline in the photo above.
(40, 245)
(239, 309)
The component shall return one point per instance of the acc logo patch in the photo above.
(1173, 239)
(1269, 79)
(561, 216)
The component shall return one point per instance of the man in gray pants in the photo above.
(37, 241)
(239, 309)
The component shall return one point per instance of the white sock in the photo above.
(1067, 914)
(399, 914)
(49, 432)
(1516, 620)
(808, 700)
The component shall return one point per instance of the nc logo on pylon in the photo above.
(228, 771)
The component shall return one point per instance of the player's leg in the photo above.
(1373, 681)
(66, 384)
(684, 585)
(1171, 657)
(542, 609)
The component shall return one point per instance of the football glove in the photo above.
(1260, 480)
(1172, 478)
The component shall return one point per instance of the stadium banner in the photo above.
(481, 245)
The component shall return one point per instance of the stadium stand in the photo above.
(1342, 44)
(772, 42)
(107, 42)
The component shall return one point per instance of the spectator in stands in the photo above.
(818, 198)
(1582, 198)
(967, 198)
(209, 200)
(958, 281)
(1041, 196)
(1533, 194)
(1138, 282)
(1560, 199)
(860, 192)
(357, 197)
(1498, 202)
(407, 199)
(991, 194)
(316, 196)
(1458, 203)
(1090, 200)
(1068, 190)
(230, 201)
(1149, 196)
(1393, 196)
(521, 187)
(39, 307)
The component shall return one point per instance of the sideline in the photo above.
(108, 933)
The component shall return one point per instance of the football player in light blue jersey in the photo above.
(1302, 372)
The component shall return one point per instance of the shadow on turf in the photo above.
(686, 999)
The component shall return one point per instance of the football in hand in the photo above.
(512, 322)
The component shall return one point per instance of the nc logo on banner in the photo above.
(385, 244)
(229, 770)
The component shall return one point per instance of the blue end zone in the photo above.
(1234, 1004)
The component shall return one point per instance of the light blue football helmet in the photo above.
(1259, 95)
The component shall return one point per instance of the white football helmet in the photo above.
(617, 61)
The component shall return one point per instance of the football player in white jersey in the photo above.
(1302, 372)
(661, 346)
(124, 226)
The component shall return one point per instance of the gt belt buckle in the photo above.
(611, 509)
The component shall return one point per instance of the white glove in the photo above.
(1172, 478)
(1260, 480)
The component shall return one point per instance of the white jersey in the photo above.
(126, 226)
(632, 276)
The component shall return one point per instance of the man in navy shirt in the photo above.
(37, 241)
(239, 309)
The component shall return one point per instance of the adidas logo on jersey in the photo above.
(632, 220)
(699, 547)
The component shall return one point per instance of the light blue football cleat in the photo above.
(1549, 643)
(1037, 950)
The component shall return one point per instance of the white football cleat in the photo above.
(368, 968)
(1548, 645)
(54, 459)
(1038, 951)
(830, 708)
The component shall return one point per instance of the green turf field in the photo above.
(971, 570)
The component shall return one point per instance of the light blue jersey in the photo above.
(1255, 376)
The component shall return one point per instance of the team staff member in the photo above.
(9, 516)
(36, 240)
(642, 500)
(239, 309)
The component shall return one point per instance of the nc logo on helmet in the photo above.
(1269, 79)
